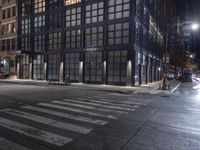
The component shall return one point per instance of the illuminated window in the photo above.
(118, 9)
(73, 38)
(39, 23)
(25, 26)
(39, 6)
(94, 36)
(118, 33)
(73, 17)
(94, 12)
(71, 2)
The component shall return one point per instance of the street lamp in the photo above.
(195, 26)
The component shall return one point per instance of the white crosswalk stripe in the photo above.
(66, 115)
(118, 102)
(42, 135)
(48, 121)
(129, 102)
(72, 103)
(101, 105)
(102, 101)
(77, 110)
(72, 109)
(9, 145)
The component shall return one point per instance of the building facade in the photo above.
(8, 36)
(103, 41)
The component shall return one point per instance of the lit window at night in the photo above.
(39, 6)
(71, 2)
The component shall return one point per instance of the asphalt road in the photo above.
(66, 118)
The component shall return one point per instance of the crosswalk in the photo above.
(78, 116)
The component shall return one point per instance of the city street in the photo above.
(69, 118)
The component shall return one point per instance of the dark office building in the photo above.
(94, 41)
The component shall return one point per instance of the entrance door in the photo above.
(93, 67)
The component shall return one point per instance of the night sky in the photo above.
(195, 12)
(194, 5)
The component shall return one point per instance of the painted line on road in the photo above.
(66, 115)
(175, 88)
(48, 121)
(83, 106)
(113, 101)
(107, 103)
(9, 145)
(99, 105)
(91, 108)
(77, 110)
(26, 130)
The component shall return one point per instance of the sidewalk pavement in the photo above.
(152, 88)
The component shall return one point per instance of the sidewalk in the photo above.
(152, 88)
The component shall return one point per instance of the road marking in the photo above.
(174, 89)
(66, 115)
(106, 103)
(34, 132)
(9, 145)
(112, 101)
(75, 105)
(83, 106)
(99, 105)
(77, 110)
(48, 121)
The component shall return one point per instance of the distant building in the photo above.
(103, 42)
(8, 36)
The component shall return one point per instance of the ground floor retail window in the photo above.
(53, 67)
(38, 67)
(25, 67)
(93, 67)
(72, 66)
(117, 67)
